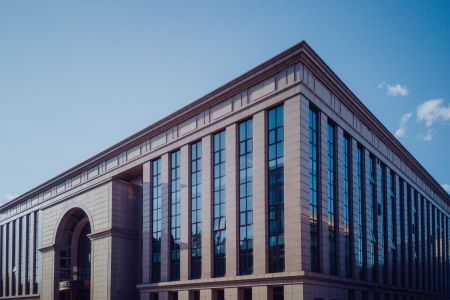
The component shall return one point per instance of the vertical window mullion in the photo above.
(275, 136)
(156, 220)
(196, 208)
(332, 203)
(348, 208)
(245, 198)
(362, 230)
(314, 217)
(219, 212)
(175, 215)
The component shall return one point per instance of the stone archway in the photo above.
(73, 257)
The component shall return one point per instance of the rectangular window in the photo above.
(7, 264)
(220, 295)
(332, 200)
(372, 244)
(156, 220)
(175, 210)
(348, 208)
(276, 188)
(278, 293)
(382, 217)
(13, 258)
(423, 242)
(20, 255)
(219, 223)
(196, 210)
(410, 229)
(28, 252)
(393, 243)
(402, 234)
(434, 250)
(361, 235)
(245, 198)
(416, 237)
(36, 255)
(314, 208)
(247, 294)
(429, 246)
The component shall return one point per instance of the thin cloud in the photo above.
(394, 89)
(432, 111)
(401, 131)
(446, 187)
(429, 135)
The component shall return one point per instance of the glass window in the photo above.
(7, 261)
(393, 235)
(361, 228)
(220, 294)
(156, 196)
(372, 244)
(245, 198)
(196, 210)
(348, 208)
(382, 227)
(403, 236)
(275, 188)
(332, 200)
(13, 259)
(314, 216)
(278, 293)
(219, 215)
(175, 211)
(36, 254)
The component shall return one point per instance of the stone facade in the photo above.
(113, 191)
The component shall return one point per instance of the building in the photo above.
(278, 185)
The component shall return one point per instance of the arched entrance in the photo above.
(73, 257)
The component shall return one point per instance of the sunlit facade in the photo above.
(278, 185)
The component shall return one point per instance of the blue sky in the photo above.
(79, 76)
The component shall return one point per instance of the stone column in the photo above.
(354, 165)
(292, 210)
(146, 223)
(259, 194)
(165, 222)
(304, 186)
(322, 147)
(206, 207)
(49, 282)
(231, 202)
(293, 292)
(100, 267)
(206, 294)
(231, 294)
(185, 213)
(3, 245)
(260, 293)
(183, 295)
(340, 200)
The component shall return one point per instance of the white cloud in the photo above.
(446, 187)
(394, 89)
(429, 135)
(432, 111)
(401, 131)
